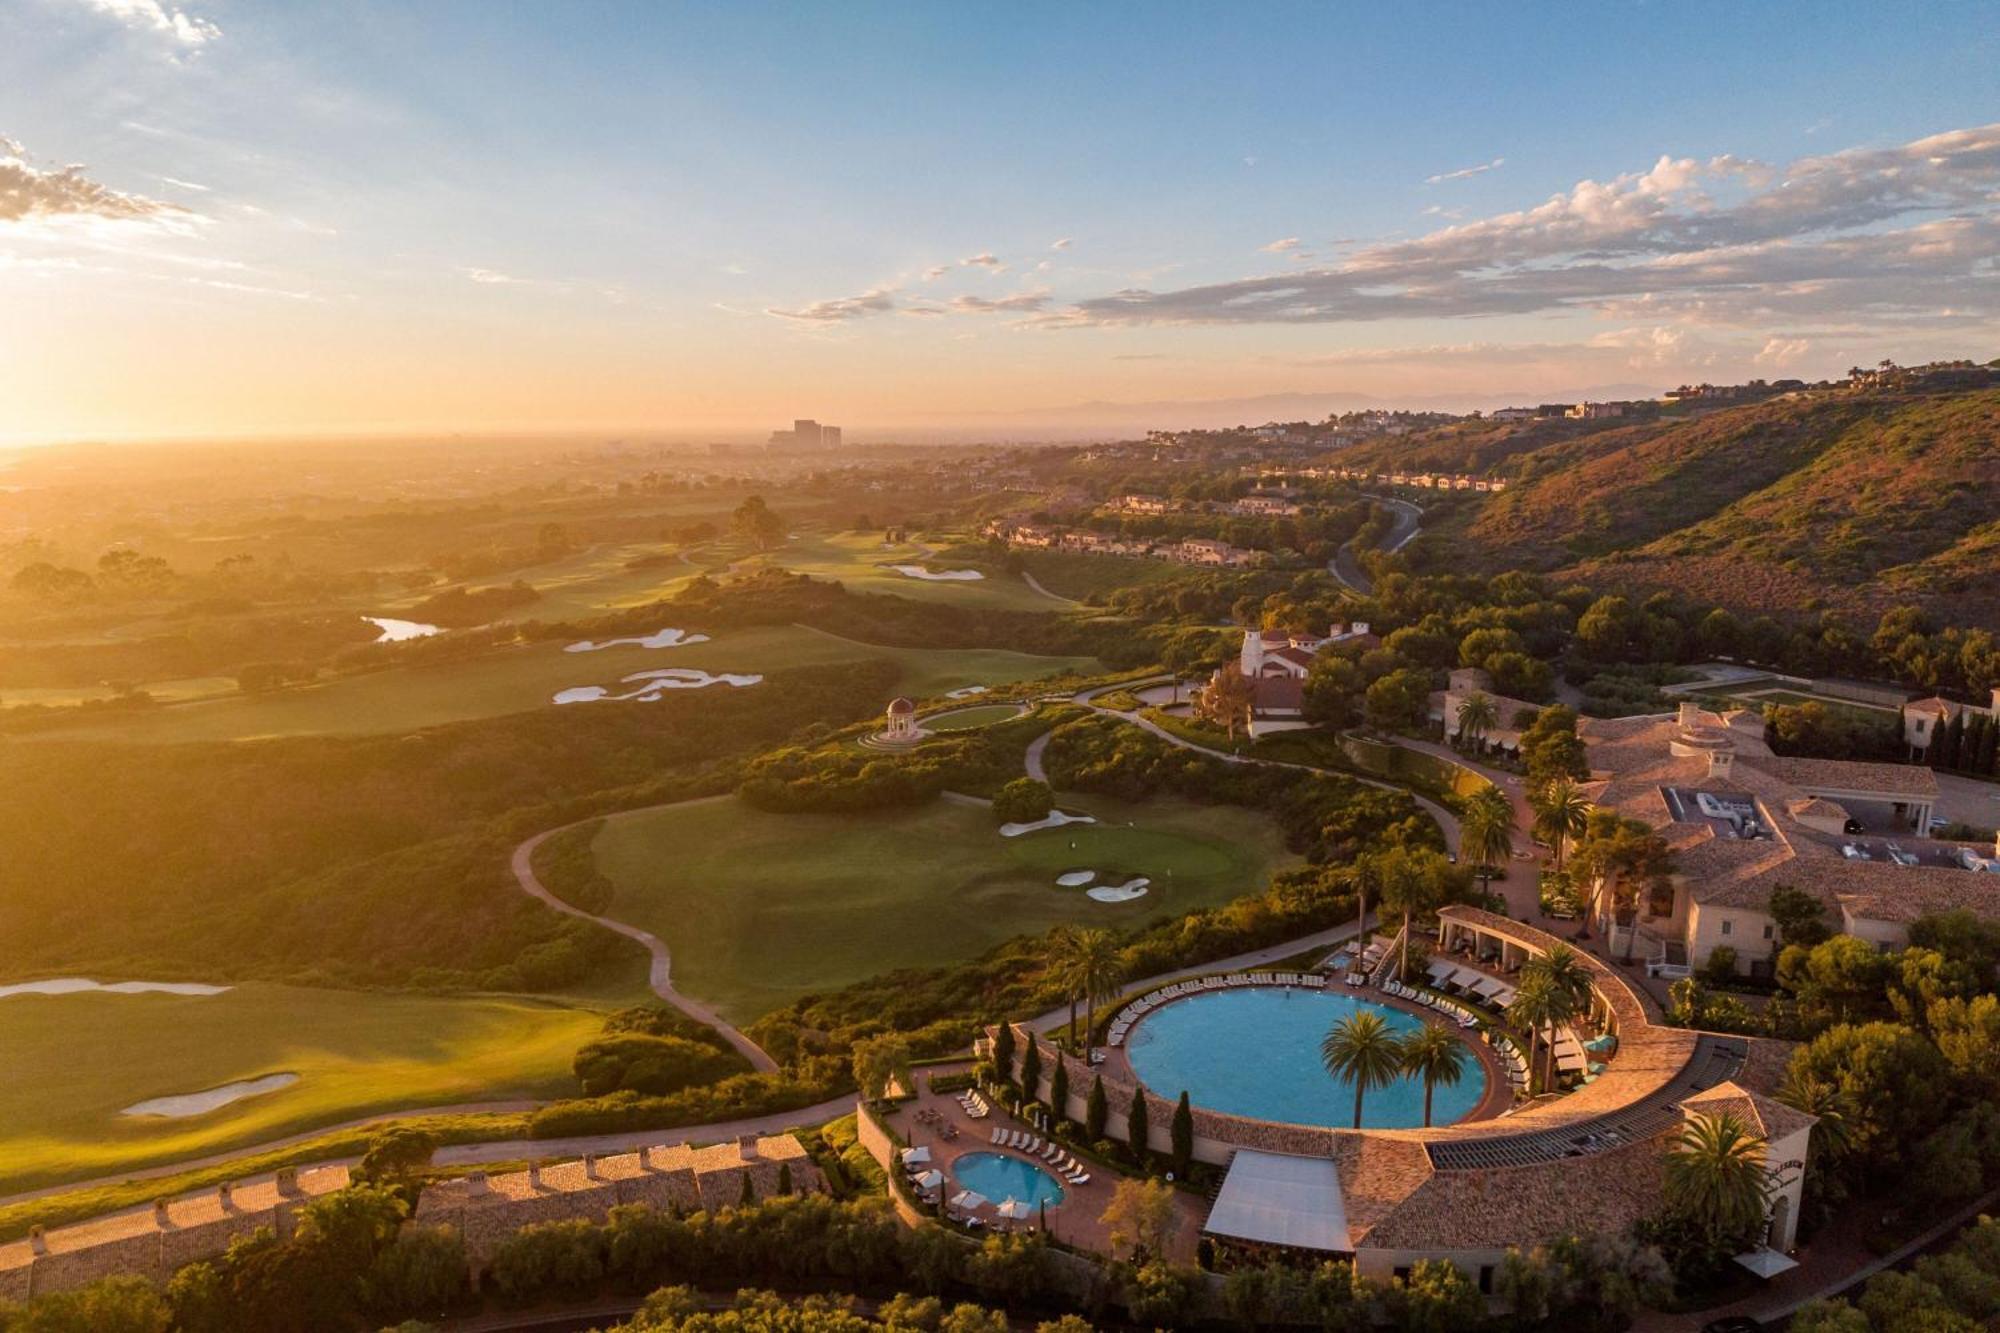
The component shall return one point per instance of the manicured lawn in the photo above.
(517, 679)
(1078, 576)
(762, 908)
(971, 719)
(862, 562)
(74, 1060)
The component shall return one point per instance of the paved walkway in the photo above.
(1447, 822)
(661, 976)
(1035, 583)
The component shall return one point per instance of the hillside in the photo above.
(1851, 499)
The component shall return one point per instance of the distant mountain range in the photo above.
(1851, 499)
(1102, 419)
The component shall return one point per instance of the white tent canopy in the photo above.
(1280, 1199)
(916, 1156)
(1766, 1263)
(968, 1200)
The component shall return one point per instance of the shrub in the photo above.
(1023, 801)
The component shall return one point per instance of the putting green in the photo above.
(864, 563)
(73, 1061)
(518, 679)
(762, 908)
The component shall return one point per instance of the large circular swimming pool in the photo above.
(1255, 1052)
(1000, 1177)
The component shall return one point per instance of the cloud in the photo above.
(980, 305)
(1061, 243)
(1278, 247)
(877, 301)
(178, 183)
(1883, 234)
(1463, 172)
(494, 278)
(936, 271)
(28, 191)
(1783, 352)
(984, 259)
(150, 15)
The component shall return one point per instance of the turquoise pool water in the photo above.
(1001, 1177)
(1255, 1052)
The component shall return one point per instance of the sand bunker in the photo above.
(665, 638)
(73, 985)
(1076, 879)
(1120, 893)
(965, 692)
(201, 1103)
(656, 684)
(938, 576)
(396, 631)
(1054, 819)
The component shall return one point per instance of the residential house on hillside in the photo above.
(1924, 719)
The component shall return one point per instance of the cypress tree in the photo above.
(1972, 746)
(1183, 1134)
(1059, 1089)
(785, 1178)
(1096, 1111)
(1137, 1131)
(1949, 741)
(1989, 754)
(1031, 1070)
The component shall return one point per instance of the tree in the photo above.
(1140, 1218)
(1476, 717)
(1227, 699)
(423, 1269)
(1096, 970)
(1362, 1050)
(1414, 882)
(1486, 831)
(1435, 1055)
(1059, 1087)
(1138, 1132)
(1554, 986)
(395, 1156)
(1435, 1298)
(1023, 801)
(1181, 1132)
(1096, 1111)
(1333, 692)
(109, 1305)
(1031, 1070)
(879, 1063)
(755, 522)
(1800, 917)
(1398, 701)
(1562, 812)
(1891, 1081)
(1717, 1181)
(1003, 1051)
(1550, 747)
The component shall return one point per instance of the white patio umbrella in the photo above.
(930, 1180)
(1013, 1209)
(967, 1200)
(916, 1156)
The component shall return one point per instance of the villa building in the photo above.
(1276, 661)
(1509, 715)
(1742, 821)
(1923, 719)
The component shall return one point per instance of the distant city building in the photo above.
(807, 434)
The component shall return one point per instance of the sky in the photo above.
(227, 217)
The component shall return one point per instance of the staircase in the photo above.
(1386, 966)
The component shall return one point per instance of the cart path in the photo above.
(661, 977)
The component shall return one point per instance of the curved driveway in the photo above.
(1348, 570)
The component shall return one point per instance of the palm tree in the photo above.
(1413, 882)
(1062, 962)
(1098, 968)
(1561, 986)
(1486, 831)
(1561, 813)
(1716, 1177)
(1361, 1049)
(1536, 1007)
(1830, 1138)
(1433, 1054)
(1476, 716)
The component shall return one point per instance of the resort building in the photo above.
(1509, 715)
(1924, 719)
(1275, 662)
(1589, 1161)
(1742, 821)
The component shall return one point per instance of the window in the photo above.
(1726, 925)
(1768, 928)
(1486, 1279)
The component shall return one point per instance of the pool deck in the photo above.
(1078, 1219)
(1496, 1098)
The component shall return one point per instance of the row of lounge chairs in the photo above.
(975, 1105)
(1448, 1007)
(1054, 1154)
(1145, 1004)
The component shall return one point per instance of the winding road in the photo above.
(661, 976)
(1408, 523)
